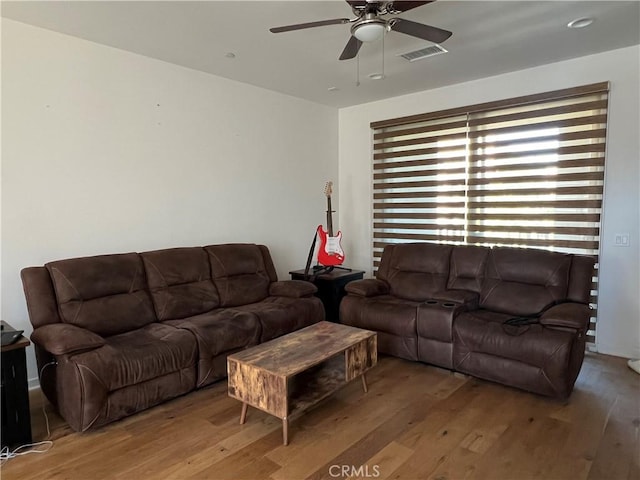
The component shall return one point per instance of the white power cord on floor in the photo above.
(6, 454)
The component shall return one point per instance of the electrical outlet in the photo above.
(621, 240)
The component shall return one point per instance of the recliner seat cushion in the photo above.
(134, 371)
(281, 315)
(134, 357)
(219, 332)
(534, 358)
(482, 331)
(239, 273)
(393, 319)
(524, 282)
(105, 294)
(180, 282)
(384, 313)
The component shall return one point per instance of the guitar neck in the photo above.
(329, 217)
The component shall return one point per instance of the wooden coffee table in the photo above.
(292, 373)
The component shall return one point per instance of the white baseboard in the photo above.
(33, 383)
(617, 352)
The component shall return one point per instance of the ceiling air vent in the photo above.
(423, 53)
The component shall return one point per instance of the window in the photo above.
(525, 172)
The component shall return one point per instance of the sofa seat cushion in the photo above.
(180, 282)
(281, 315)
(138, 356)
(482, 331)
(384, 313)
(219, 332)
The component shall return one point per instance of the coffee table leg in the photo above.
(243, 414)
(285, 431)
(364, 384)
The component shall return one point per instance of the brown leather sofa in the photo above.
(447, 306)
(116, 334)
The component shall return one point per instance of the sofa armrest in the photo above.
(62, 338)
(292, 288)
(369, 287)
(567, 315)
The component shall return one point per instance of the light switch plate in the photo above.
(621, 240)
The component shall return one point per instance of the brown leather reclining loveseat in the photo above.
(116, 334)
(447, 306)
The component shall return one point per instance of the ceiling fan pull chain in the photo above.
(383, 56)
(358, 70)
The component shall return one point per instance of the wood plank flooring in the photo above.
(416, 422)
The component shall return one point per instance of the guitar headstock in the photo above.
(328, 188)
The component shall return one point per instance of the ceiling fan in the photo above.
(368, 26)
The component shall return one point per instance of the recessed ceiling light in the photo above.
(376, 76)
(580, 22)
(230, 55)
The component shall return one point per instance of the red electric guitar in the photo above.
(330, 253)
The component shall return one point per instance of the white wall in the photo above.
(105, 151)
(618, 330)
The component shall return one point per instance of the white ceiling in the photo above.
(489, 38)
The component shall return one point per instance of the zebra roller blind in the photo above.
(526, 172)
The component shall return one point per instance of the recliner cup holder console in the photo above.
(441, 304)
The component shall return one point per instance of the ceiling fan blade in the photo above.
(403, 6)
(300, 26)
(351, 49)
(419, 30)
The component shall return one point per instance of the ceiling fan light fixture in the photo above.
(369, 30)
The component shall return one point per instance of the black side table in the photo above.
(16, 417)
(331, 288)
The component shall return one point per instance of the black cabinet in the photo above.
(16, 417)
(331, 287)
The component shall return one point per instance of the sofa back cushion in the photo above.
(180, 282)
(105, 294)
(40, 296)
(415, 271)
(524, 281)
(466, 270)
(240, 273)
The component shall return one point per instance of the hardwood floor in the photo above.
(416, 422)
